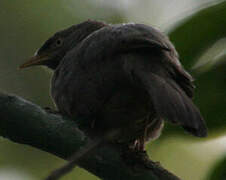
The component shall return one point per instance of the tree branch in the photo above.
(26, 123)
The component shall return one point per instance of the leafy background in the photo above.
(197, 29)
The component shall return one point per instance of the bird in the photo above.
(126, 77)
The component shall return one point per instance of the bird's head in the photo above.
(55, 48)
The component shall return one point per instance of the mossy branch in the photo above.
(24, 122)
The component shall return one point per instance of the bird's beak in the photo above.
(35, 60)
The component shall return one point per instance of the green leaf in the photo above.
(191, 38)
(196, 33)
(219, 171)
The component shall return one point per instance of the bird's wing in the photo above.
(152, 60)
(171, 102)
(113, 40)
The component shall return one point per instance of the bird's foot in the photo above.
(138, 161)
(52, 111)
(132, 156)
(138, 145)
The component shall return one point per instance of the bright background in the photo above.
(196, 27)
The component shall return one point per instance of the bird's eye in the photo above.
(59, 42)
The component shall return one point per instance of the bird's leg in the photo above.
(142, 144)
(139, 145)
(143, 139)
(134, 145)
(134, 157)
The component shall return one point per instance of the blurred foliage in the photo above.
(25, 25)
(191, 39)
(219, 172)
(193, 35)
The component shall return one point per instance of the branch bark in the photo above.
(26, 123)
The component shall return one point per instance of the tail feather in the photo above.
(171, 103)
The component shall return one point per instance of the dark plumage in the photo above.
(126, 76)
